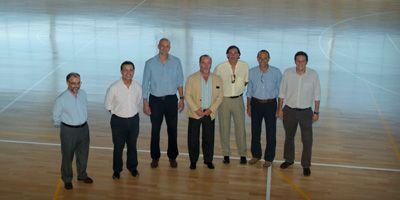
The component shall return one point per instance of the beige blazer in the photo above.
(193, 94)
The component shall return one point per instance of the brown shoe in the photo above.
(253, 161)
(267, 164)
(86, 180)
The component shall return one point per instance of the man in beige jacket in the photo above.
(203, 91)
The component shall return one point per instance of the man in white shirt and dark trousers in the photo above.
(234, 74)
(122, 100)
(299, 88)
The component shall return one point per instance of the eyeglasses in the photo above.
(233, 78)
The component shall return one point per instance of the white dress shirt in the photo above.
(240, 77)
(299, 91)
(123, 101)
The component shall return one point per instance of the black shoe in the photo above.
(173, 163)
(192, 165)
(68, 186)
(226, 160)
(306, 171)
(243, 160)
(115, 175)
(209, 165)
(154, 163)
(135, 173)
(286, 164)
(86, 180)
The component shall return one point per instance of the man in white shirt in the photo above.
(122, 100)
(234, 74)
(299, 88)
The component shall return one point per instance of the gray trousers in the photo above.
(74, 141)
(291, 118)
(232, 107)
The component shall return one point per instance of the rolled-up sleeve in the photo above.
(57, 110)
(108, 99)
(179, 78)
(317, 88)
(249, 92)
(283, 87)
(146, 81)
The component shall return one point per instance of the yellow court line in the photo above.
(302, 193)
(386, 127)
(58, 188)
(389, 134)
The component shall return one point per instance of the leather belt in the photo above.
(299, 109)
(234, 97)
(74, 126)
(163, 97)
(264, 100)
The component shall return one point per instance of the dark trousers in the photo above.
(125, 130)
(260, 111)
(164, 106)
(291, 118)
(207, 143)
(74, 141)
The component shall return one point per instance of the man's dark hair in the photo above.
(301, 53)
(204, 56)
(72, 74)
(263, 51)
(233, 47)
(127, 63)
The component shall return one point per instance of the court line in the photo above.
(220, 157)
(58, 188)
(344, 68)
(90, 42)
(269, 174)
(297, 188)
(394, 44)
(386, 127)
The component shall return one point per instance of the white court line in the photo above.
(394, 44)
(235, 158)
(344, 68)
(61, 64)
(269, 174)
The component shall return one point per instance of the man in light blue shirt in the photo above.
(70, 114)
(162, 77)
(262, 91)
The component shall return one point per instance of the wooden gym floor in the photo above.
(354, 46)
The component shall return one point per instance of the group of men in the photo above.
(207, 95)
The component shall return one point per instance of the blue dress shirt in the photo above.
(206, 92)
(264, 85)
(162, 79)
(70, 109)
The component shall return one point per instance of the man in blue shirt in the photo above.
(162, 77)
(262, 91)
(70, 114)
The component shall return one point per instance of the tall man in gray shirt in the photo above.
(300, 87)
(162, 77)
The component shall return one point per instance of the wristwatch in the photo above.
(181, 97)
(317, 113)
